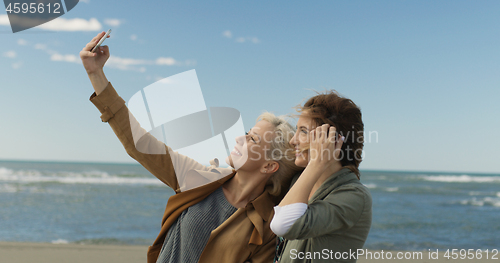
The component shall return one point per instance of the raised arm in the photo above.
(323, 147)
(324, 153)
(94, 63)
(154, 155)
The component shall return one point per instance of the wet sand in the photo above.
(11, 252)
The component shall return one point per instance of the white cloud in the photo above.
(127, 63)
(189, 62)
(138, 64)
(165, 61)
(115, 61)
(10, 54)
(61, 24)
(250, 39)
(40, 46)
(113, 22)
(22, 42)
(75, 24)
(227, 34)
(17, 65)
(66, 58)
(254, 40)
(133, 37)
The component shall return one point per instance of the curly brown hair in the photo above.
(342, 113)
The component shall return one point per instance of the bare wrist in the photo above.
(315, 167)
(98, 80)
(95, 73)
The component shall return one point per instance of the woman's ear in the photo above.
(270, 167)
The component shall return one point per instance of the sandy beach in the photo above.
(11, 252)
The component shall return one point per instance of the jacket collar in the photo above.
(335, 180)
(259, 211)
(263, 204)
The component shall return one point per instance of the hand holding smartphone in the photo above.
(94, 49)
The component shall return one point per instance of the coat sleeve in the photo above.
(154, 155)
(338, 211)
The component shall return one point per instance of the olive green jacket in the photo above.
(245, 235)
(338, 219)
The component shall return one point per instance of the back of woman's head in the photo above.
(342, 113)
(281, 152)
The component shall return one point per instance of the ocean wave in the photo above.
(402, 245)
(461, 178)
(8, 188)
(60, 241)
(25, 188)
(484, 193)
(370, 186)
(486, 201)
(387, 189)
(92, 177)
(114, 241)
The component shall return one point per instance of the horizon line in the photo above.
(138, 164)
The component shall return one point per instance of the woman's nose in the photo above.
(292, 140)
(240, 139)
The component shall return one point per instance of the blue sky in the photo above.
(425, 73)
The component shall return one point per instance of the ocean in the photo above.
(94, 203)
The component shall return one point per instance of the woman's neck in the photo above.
(243, 188)
(324, 176)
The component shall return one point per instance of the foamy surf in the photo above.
(370, 186)
(93, 177)
(60, 241)
(486, 201)
(462, 178)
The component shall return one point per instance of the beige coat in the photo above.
(245, 235)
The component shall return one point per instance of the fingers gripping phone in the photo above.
(101, 41)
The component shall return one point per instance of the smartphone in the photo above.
(100, 41)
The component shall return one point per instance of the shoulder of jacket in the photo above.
(354, 187)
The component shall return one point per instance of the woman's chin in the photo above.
(229, 161)
(300, 162)
(236, 161)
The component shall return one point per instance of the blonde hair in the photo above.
(280, 151)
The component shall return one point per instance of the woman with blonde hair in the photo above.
(226, 220)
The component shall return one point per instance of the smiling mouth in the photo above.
(236, 152)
